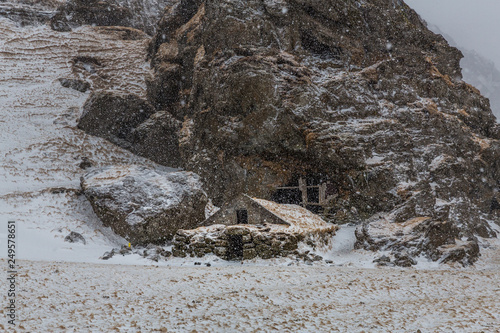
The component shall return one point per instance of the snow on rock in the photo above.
(437, 240)
(145, 205)
(41, 150)
(139, 14)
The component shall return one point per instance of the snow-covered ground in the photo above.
(65, 287)
(83, 297)
(40, 148)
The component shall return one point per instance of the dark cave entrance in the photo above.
(312, 192)
(235, 247)
(288, 196)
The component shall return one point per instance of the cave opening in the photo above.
(313, 192)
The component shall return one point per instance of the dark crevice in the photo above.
(313, 45)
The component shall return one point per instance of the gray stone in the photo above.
(237, 230)
(264, 251)
(247, 238)
(220, 251)
(249, 254)
(221, 243)
(107, 255)
(76, 84)
(145, 205)
(75, 237)
(179, 253)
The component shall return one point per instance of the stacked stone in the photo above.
(186, 243)
(257, 242)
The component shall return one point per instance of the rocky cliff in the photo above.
(359, 94)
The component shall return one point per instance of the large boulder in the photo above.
(145, 205)
(360, 94)
(113, 115)
(132, 123)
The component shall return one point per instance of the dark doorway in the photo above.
(235, 247)
(242, 216)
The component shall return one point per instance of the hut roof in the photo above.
(299, 218)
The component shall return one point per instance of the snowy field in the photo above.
(65, 287)
(82, 297)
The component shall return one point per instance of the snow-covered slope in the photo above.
(41, 149)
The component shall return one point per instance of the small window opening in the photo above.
(242, 216)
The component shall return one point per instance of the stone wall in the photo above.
(256, 241)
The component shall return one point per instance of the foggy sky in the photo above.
(473, 24)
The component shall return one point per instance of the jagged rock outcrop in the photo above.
(145, 205)
(139, 14)
(113, 115)
(357, 92)
(439, 240)
(132, 123)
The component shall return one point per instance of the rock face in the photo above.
(132, 123)
(439, 240)
(139, 14)
(357, 92)
(113, 115)
(145, 205)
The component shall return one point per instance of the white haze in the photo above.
(473, 24)
(470, 26)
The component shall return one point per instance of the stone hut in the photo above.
(248, 227)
